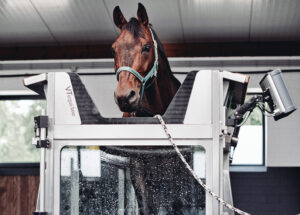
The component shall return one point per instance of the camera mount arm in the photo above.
(237, 116)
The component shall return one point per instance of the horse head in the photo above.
(145, 80)
(135, 55)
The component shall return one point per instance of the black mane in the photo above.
(161, 49)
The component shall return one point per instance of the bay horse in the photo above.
(145, 78)
(146, 87)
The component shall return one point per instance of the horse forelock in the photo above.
(134, 27)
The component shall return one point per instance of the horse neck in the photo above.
(160, 94)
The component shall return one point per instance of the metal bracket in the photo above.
(236, 120)
(238, 114)
(41, 132)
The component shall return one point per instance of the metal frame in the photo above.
(18, 95)
(208, 134)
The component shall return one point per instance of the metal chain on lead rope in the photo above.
(205, 187)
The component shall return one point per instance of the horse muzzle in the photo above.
(127, 100)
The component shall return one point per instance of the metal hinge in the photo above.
(41, 132)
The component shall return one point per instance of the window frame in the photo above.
(254, 167)
(19, 168)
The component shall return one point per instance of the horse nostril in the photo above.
(126, 101)
(131, 94)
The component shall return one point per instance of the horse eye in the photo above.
(146, 48)
(113, 52)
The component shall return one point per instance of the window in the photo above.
(250, 150)
(17, 128)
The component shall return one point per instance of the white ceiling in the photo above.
(61, 22)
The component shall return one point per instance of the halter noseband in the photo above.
(151, 74)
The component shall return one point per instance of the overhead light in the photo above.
(36, 3)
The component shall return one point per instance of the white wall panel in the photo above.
(215, 20)
(275, 20)
(21, 24)
(77, 21)
(165, 17)
(128, 8)
(283, 136)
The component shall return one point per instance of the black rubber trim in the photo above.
(175, 113)
(21, 97)
(14, 169)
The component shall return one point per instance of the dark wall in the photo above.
(172, 50)
(275, 192)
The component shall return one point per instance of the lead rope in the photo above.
(205, 187)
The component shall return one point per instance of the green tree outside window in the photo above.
(17, 130)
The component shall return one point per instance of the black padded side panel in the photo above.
(176, 111)
(88, 112)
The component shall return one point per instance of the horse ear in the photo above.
(119, 19)
(142, 15)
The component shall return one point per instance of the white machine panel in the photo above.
(201, 94)
(66, 111)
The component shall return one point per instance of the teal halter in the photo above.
(151, 74)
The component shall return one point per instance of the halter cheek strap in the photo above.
(152, 73)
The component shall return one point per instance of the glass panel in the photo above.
(131, 180)
(249, 150)
(17, 130)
